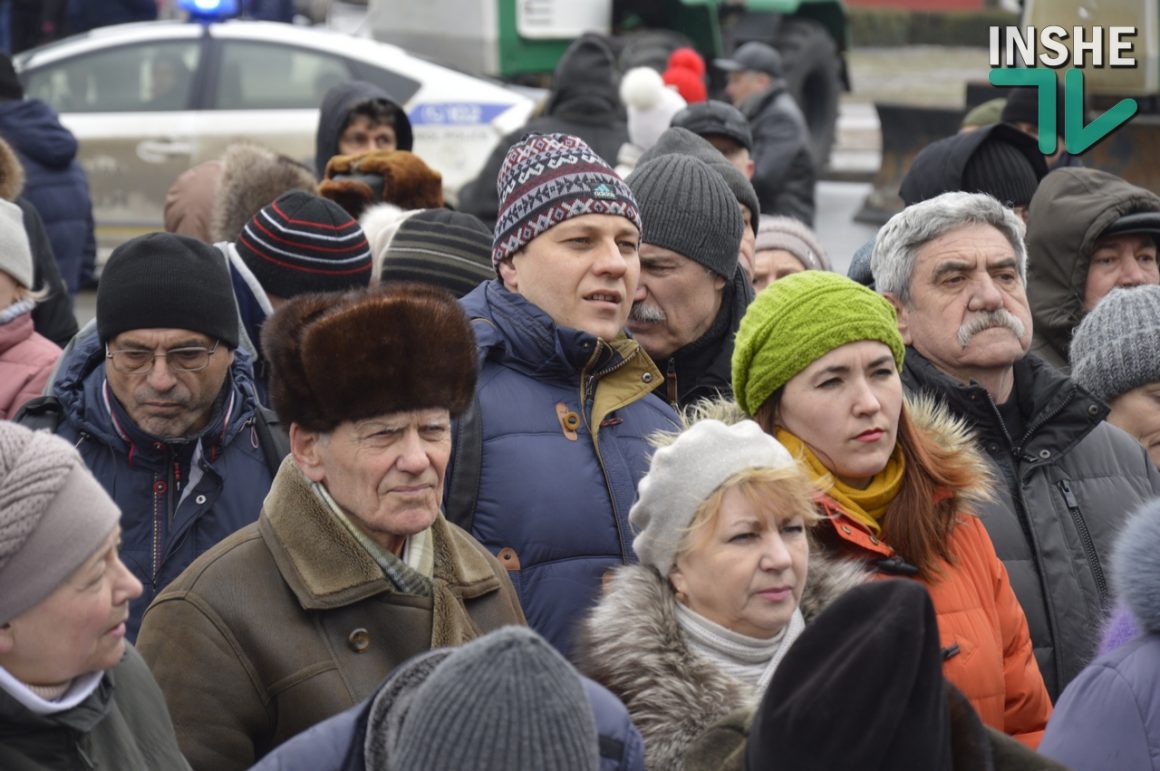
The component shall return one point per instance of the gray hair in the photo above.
(897, 244)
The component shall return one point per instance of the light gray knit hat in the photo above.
(794, 237)
(505, 701)
(685, 206)
(1114, 348)
(683, 476)
(53, 516)
(15, 253)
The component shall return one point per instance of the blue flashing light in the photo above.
(209, 9)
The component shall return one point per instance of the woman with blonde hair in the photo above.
(691, 636)
(816, 363)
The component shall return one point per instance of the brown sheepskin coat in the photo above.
(290, 621)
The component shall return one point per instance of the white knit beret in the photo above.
(685, 473)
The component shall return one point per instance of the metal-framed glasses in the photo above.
(132, 361)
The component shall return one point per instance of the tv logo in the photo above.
(1017, 63)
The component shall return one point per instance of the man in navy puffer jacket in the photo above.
(565, 397)
(55, 184)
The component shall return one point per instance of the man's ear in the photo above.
(903, 317)
(509, 275)
(750, 167)
(7, 638)
(304, 447)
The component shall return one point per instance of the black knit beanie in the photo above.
(302, 243)
(446, 248)
(167, 281)
(1000, 169)
(10, 87)
(1023, 106)
(685, 206)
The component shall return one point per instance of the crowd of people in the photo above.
(596, 465)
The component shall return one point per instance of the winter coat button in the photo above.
(1045, 454)
(359, 640)
(874, 540)
(646, 377)
(200, 499)
(1093, 410)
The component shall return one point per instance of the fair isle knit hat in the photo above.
(53, 516)
(302, 243)
(798, 319)
(547, 179)
(1114, 348)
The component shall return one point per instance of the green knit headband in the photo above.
(797, 320)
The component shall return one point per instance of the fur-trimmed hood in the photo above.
(633, 645)
(251, 177)
(11, 173)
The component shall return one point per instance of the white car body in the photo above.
(133, 155)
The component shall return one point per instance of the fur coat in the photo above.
(633, 645)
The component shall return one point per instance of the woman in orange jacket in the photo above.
(816, 363)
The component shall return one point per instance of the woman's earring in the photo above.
(681, 598)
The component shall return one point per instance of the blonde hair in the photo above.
(775, 493)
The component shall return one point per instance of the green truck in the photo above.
(521, 40)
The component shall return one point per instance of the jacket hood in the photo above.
(585, 79)
(938, 168)
(335, 110)
(32, 129)
(251, 178)
(1136, 566)
(1070, 210)
(11, 173)
(633, 645)
(79, 386)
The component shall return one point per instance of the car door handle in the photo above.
(159, 151)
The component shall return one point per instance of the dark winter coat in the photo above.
(337, 744)
(703, 369)
(584, 102)
(632, 643)
(564, 419)
(165, 527)
(335, 111)
(1071, 209)
(124, 725)
(291, 621)
(89, 14)
(53, 315)
(1063, 490)
(783, 173)
(54, 183)
(1109, 716)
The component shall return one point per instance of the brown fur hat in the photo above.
(251, 177)
(355, 182)
(393, 348)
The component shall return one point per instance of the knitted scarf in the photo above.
(864, 506)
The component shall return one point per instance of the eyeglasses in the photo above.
(132, 361)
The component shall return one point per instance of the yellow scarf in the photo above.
(864, 506)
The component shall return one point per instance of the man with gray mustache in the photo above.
(955, 269)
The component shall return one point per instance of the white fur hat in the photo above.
(15, 253)
(651, 105)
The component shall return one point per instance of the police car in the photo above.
(147, 101)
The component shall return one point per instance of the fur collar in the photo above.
(1136, 567)
(633, 645)
(327, 568)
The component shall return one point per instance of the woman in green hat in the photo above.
(816, 364)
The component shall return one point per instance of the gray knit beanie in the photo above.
(15, 253)
(53, 516)
(792, 236)
(684, 474)
(1114, 348)
(686, 207)
(505, 701)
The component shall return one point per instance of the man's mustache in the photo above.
(987, 320)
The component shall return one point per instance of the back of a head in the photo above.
(716, 118)
(250, 177)
(998, 160)
(877, 646)
(445, 248)
(10, 87)
(505, 701)
(301, 243)
(587, 70)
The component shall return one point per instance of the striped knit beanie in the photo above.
(547, 179)
(302, 243)
(798, 319)
(446, 248)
